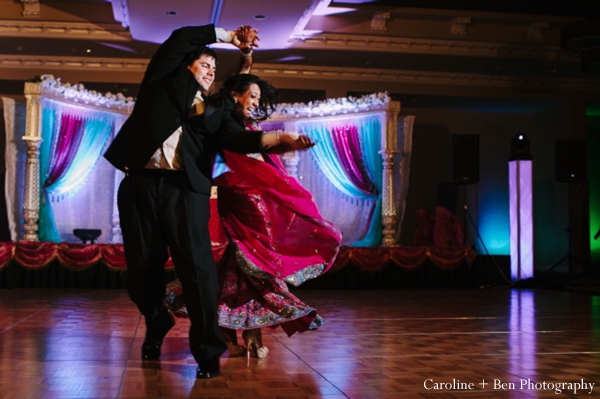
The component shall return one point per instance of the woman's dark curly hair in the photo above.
(240, 84)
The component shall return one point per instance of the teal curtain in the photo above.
(47, 230)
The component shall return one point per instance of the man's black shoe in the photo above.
(209, 368)
(151, 349)
(155, 334)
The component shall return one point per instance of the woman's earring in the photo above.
(234, 99)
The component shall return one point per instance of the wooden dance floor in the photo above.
(461, 343)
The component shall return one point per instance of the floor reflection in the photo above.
(522, 333)
(375, 344)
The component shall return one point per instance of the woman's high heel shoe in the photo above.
(253, 340)
(234, 349)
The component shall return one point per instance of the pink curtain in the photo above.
(347, 147)
(71, 129)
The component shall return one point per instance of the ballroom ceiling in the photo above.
(106, 42)
(563, 8)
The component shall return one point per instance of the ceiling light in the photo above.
(119, 47)
(324, 9)
(290, 58)
(170, 13)
(260, 17)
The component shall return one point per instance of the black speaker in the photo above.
(571, 161)
(465, 158)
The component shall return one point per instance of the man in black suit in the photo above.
(166, 149)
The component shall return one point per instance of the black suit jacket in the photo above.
(165, 97)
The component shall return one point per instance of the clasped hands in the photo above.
(245, 38)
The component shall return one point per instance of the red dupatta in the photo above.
(273, 220)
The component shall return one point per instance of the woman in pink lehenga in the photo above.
(276, 234)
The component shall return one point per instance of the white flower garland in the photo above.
(332, 107)
(77, 93)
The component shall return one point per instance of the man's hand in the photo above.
(245, 38)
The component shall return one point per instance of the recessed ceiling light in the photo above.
(170, 13)
(88, 50)
(260, 17)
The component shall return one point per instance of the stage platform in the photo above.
(49, 265)
(375, 344)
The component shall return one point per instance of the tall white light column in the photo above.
(520, 191)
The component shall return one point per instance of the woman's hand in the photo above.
(294, 142)
(245, 38)
(280, 142)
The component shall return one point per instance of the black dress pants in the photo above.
(159, 212)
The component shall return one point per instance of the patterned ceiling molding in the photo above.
(459, 26)
(42, 64)
(71, 30)
(535, 31)
(442, 78)
(434, 46)
(74, 63)
(31, 8)
(379, 21)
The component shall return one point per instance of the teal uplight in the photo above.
(494, 224)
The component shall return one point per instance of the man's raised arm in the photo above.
(188, 39)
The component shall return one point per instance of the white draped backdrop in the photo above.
(92, 206)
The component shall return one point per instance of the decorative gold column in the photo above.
(405, 123)
(389, 149)
(33, 139)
